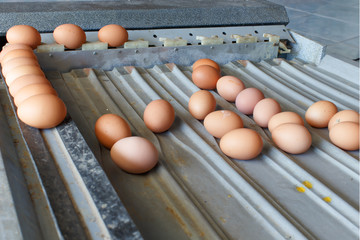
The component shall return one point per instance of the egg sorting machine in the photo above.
(61, 184)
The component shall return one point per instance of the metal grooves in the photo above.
(196, 190)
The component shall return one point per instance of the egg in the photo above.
(205, 61)
(23, 34)
(264, 110)
(319, 113)
(21, 71)
(134, 154)
(42, 111)
(292, 138)
(218, 123)
(69, 35)
(114, 35)
(18, 53)
(247, 99)
(284, 117)
(16, 62)
(9, 47)
(32, 90)
(242, 144)
(110, 128)
(344, 116)
(345, 135)
(159, 115)
(201, 103)
(26, 80)
(229, 87)
(205, 77)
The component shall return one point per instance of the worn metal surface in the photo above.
(198, 192)
(45, 16)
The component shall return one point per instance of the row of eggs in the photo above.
(70, 35)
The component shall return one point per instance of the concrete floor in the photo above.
(334, 23)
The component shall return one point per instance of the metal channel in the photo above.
(198, 192)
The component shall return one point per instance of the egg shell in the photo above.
(159, 115)
(205, 77)
(264, 110)
(26, 80)
(205, 61)
(344, 116)
(229, 87)
(21, 71)
(345, 135)
(42, 111)
(23, 34)
(319, 113)
(17, 53)
(69, 35)
(218, 123)
(242, 144)
(9, 47)
(16, 62)
(201, 103)
(247, 99)
(109, 128)
(284, 117)
(292, 138)
(114, 35)
(32, 90)
(134, 154)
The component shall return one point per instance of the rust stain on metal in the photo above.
(179, 220)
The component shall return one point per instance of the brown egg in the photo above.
(205, 77)
(9, 47)
(201, 103)
(23, 34)
(18, 53)
(109, 128)
(247, 99)
(205, 61)
(242, 144)
(220, 122)
(284, 117)
(42, 111)
(32, 90)
(344, 116)
(292, 138)
(134, 154)
(16, 62)
(69, 35)
(159, 115)
(21, 71)
(264, 110)
(26, 80)
(319, 113)
(229, 87)
(114, 35)
(345, 135)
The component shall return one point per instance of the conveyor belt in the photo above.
(196, 191)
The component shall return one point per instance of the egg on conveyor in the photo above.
(159, 115)
(70, 35)
(218, 123)
(42, 111)
(23, 34)
(134, 154)
(109, 128)
(113, 34)
(241, 143)
(201, 103)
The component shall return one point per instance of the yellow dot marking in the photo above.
(327, 199)
(307, 184)
(229, 196)
(300, 189)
